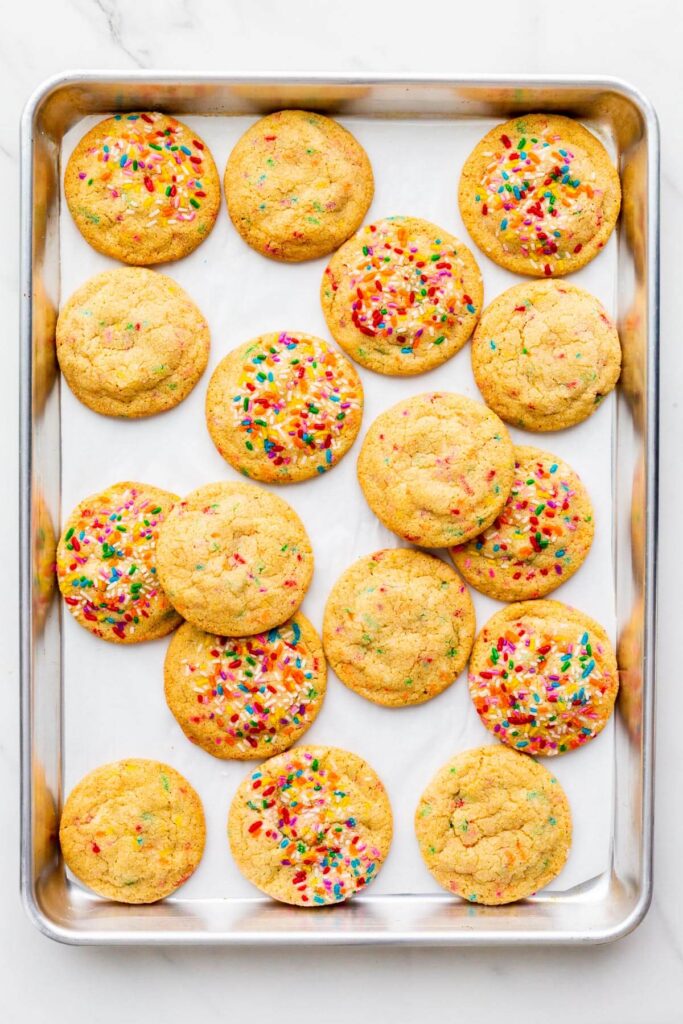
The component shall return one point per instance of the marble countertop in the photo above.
(640, 978)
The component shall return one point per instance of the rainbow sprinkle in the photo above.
(302, 806)
(253, 690)
(150, 165)
(106, 563)
(533, 194)
(543, 691)
(297, 401)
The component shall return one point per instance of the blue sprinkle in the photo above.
(296, 630)
(553, 468)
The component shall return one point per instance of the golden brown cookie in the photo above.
(297, 185)
(436, 468)
(399, 627)
(107, 564)
(234, 559)
(311, 826)
(143, 188)
(284, 407)
(540, 195)
(133, 830)
(543, 677)
(493, 826)
(545, 354)
(540, 538)
(130, 342)
(246, 697)
(402, 295)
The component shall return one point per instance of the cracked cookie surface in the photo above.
(234, 559)
(284, 407)
(493, 826)
(297, 184)
(437, 468)
(540, 538)
(130, 342)
(545, 354)
(402, 295)
(246, 697)
(311, 827)
(133, 831)
(543, 677)
(143, 188)
(398, 627)
(107, 563)
(540, 195)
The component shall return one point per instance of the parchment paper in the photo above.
(114, 701)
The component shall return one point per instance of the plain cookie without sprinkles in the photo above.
(297, 185)
(545, 355)
(540, 538)
(133, 831)
(493, 826)
(284, 407)
(130, 342)
(142, 188)
(398, 627)
(540, 195)
(107, 564)
(234, 559)
(543, 677)
(437, 468)
(311, 827)
(246, 697)
(402, 296)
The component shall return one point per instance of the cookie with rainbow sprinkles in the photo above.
(311, 827)
(133, 831)
(143, 188)
(107, 564)
(540, 195)
(246, 697)
(284, 407)
(402, 296)
(493, 826)
(543, 677)
(540, 538)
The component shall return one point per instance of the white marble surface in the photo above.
(639, 979)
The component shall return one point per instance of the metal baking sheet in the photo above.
(107, 701)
